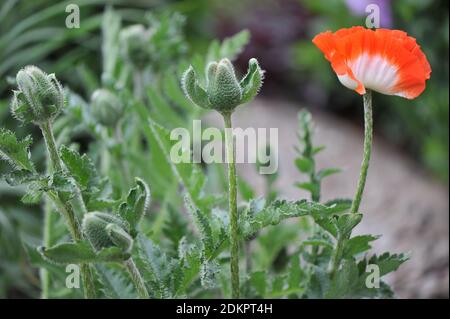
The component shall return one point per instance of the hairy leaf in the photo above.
(81, 252)
(16, 152)
(136, 204)
(358, 244)
(80, 167)
(279, 210)
(116, 285)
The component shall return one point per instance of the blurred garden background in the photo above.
(411, 160)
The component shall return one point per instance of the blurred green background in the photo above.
(34, 32)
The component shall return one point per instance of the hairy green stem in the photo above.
(138, 281)
(232, 203)
(44, 274)
(65, 208)
(337, 254)
(138, 85)
(47, 240)
(123, 164)
(50, 142)
(368, 129)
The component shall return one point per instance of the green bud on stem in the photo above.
(106, 107)
(39, 98)
(223, 91)
(101, 231)
(134, 43)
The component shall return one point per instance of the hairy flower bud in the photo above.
(134, 42)
(119, 237)
(223, 88)
(223, 91)
(106, 107)
(39, 97)
(95, 227)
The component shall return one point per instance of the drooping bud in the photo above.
(95, 228)
(106, 107)
(39, 98)
(134, 42)
(119, 237)
(223, 90)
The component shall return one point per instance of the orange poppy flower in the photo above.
(386, 61)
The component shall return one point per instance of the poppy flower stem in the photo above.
(234, 236)
(138, 281)
(66, 208)
(368, 128)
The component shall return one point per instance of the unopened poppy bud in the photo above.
(106, 107)
(134, 43)
(119, 237)
(223, 91)
(39, 97)
(94, 227)
(223, 88)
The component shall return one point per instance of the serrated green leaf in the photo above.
(19, 177)
(116, 284)
(358, 244)
(279, 210)
(156, 267)
(63, 185)
(203, 225)
(388, 262)
(189, 264)
(80, 167)
(16, 152)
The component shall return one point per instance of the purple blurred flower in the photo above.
(358, 7)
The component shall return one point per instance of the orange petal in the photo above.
(386, 61)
